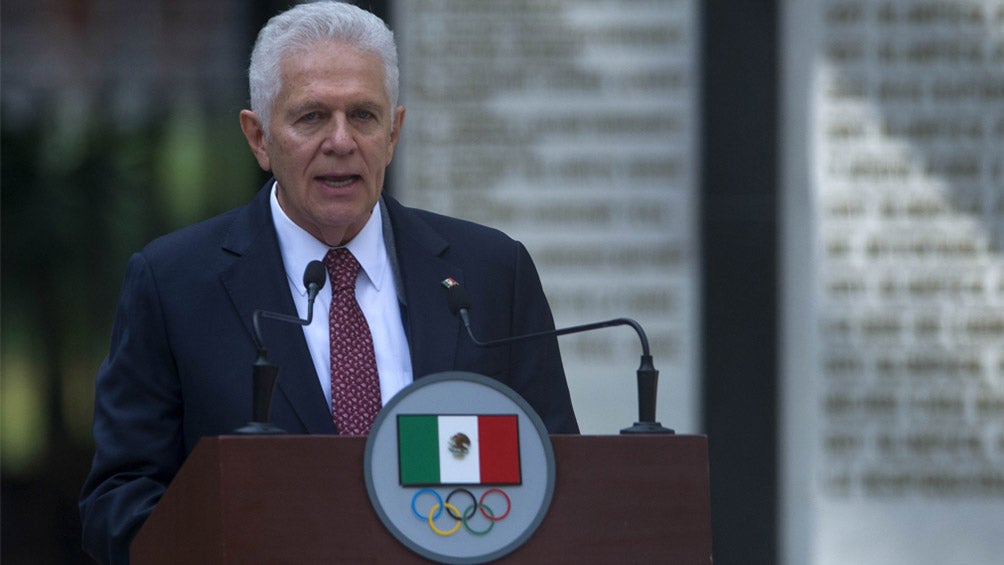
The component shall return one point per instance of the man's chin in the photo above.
(339, 229)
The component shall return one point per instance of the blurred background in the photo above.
(119, 123)
(801, 202)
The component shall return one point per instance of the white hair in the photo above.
(303, 26)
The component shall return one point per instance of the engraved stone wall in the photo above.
(569, 125)
(911, 211)
(907, 182)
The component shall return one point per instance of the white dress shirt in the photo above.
(376, 292)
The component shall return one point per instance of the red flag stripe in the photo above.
(500, 461)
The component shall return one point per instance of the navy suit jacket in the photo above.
(182, 346)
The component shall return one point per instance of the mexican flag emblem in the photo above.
(458, 449)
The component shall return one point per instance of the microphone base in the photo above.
(646, 428)
(259, 428)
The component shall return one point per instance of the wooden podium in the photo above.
(303, 499)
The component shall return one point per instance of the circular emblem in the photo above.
(459, 468)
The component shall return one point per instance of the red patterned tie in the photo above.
(355, 386)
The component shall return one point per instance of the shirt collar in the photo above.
(299, 247)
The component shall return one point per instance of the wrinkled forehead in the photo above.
(334, 53)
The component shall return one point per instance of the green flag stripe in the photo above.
(418, 454)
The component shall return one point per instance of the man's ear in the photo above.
(395, 132)
(255, 134)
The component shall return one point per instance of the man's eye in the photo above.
(310, 117)
(363, 115)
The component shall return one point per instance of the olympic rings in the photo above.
(508, 504)
(461, 519)
(432, 523)
(491, 523)
(474, 502)
(438, 505)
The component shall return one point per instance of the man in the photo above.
(324, 120)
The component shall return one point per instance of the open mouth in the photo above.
(338, 181)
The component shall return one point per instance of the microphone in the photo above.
(313, 279)
(648, 377)
(263, 373)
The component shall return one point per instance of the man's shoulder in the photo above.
(232, 228)
(190, 245)
(451, 228)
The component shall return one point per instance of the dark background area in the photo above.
(739, 225)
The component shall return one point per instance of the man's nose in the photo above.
(339, 139)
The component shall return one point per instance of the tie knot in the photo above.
(342, 268)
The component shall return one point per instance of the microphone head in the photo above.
(456, 296)
(315, 274)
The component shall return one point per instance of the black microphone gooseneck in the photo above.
(263, 373)
(648, 376)
(313, 279)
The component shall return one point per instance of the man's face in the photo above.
(332, 134)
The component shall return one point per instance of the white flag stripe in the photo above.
(453, 469)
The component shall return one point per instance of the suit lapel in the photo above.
(256, 280)
(432, 328)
